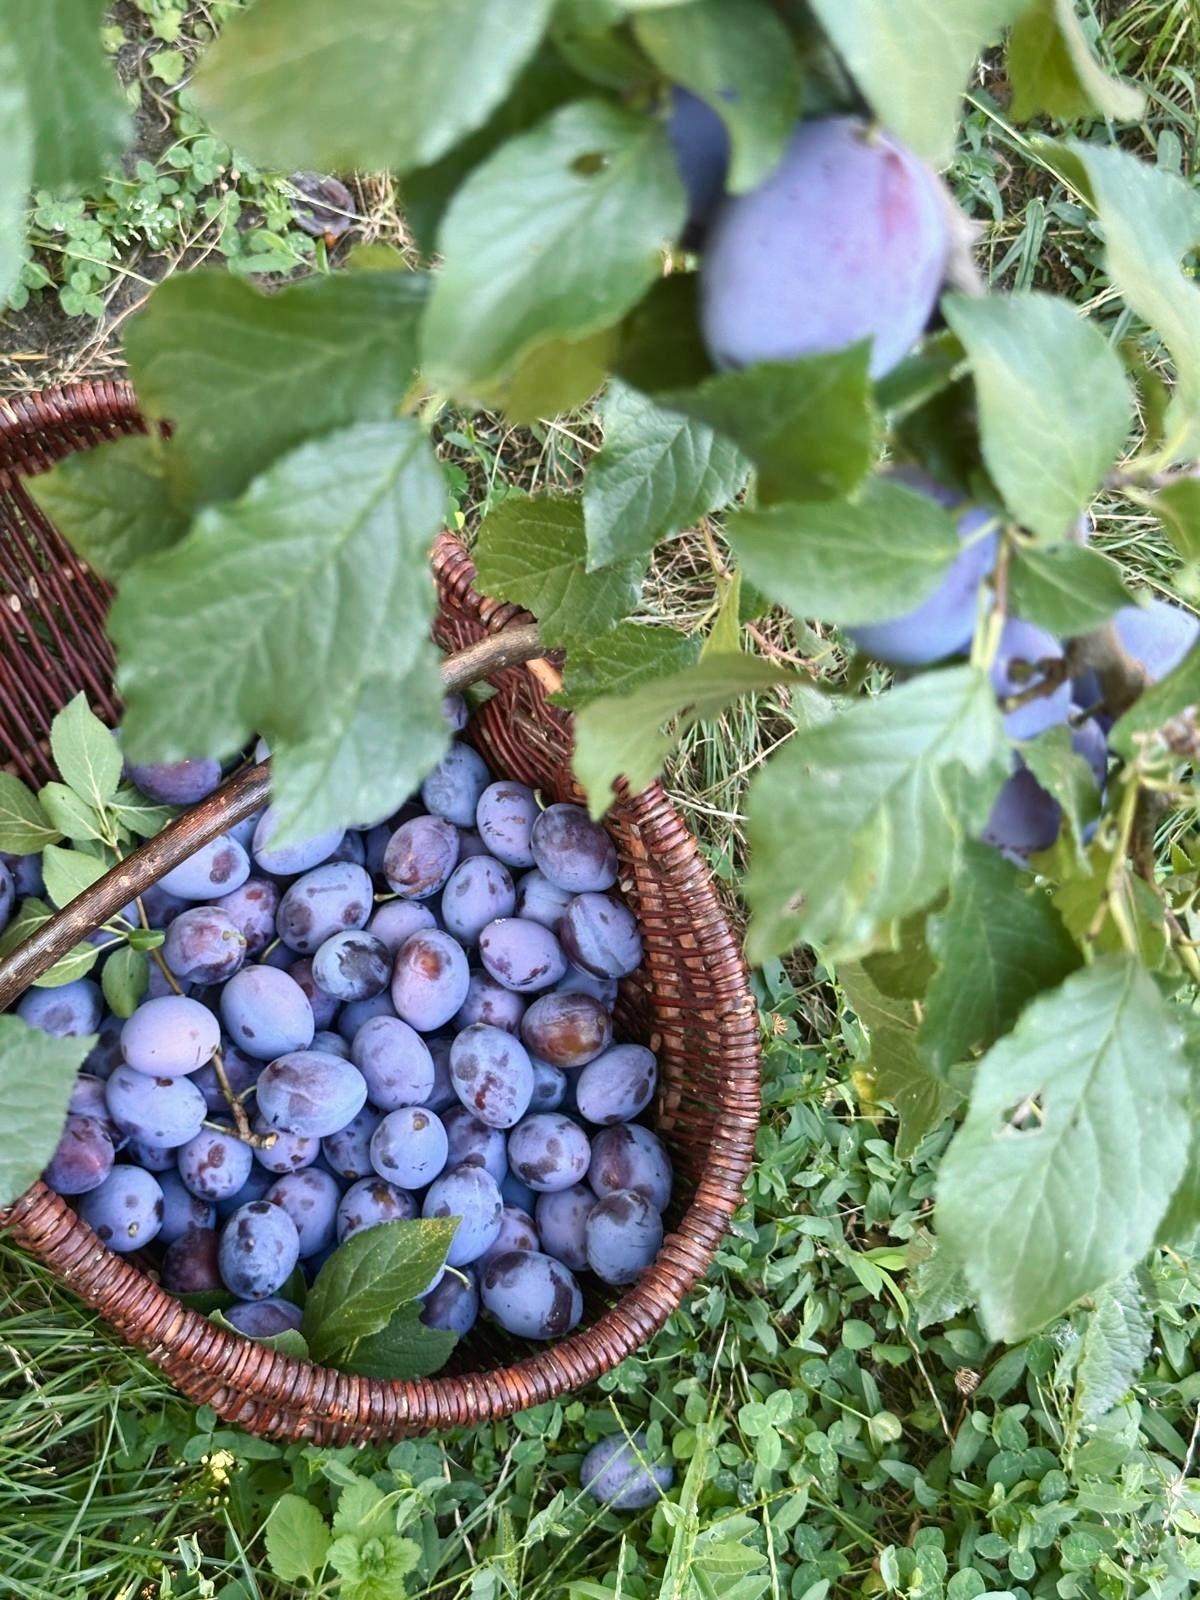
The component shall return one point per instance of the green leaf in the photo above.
(24, 826)
(1086, 1097)
(1067, 775)
(371, 753)
(1177, 507)
(532, 553)
(291, 1342)
(245, 376)
(322, 561)
(1065, 588)
(297, 1539)
(1054, 403)
(16, 134)
(557, 234)
(1053, 69)
(998, 943)
(125, 979)
(899, 1075)
(739, 57)
(71, 815)
(86, 753)
(558, 375)
(1161, 702)
(375, 1568)
(849, 561)
(79, 119)
(111, 503)
(862, 819)
(404, 1349)
(365, 83)
(622, 737)
(1114, 1349)
(1182, 1220)
(133, 811)
(69, 872)
(1151, 222)
(364, 1510)
(912, 62)
(661, 345)
(657, 472)
(37, 1074)
(367, 1278)
(937, 1289)
(623, 659)
(30, 915)
(724, 637)
(806, 425)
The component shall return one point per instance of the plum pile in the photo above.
(414, 1018)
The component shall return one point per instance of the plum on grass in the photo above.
(567, 1030)
(67, 1011)
(175, 783)
(311, 1199)
(310, 1094)
(264, 1319)
(492, 1074)
(453, 1303)
(490, 1002)
(353, 965)
(620, 1474)
(1028, 658)
(409, 1147)
(530, 1294)
(539, 900)
(601, 936)
(521, 955)
(505, 817)
(700, 141)
(395, 1062)
(453, 788)
(470, 1194)
(169, 1037)
(628, 1156)
(397, 920)
(252, 910)
(191, 1264)
(259, 1250)
(561, 1221)
(478, 891)
(370, 1202)
(848, 239)
(623, 1233)
(617, 1085)
(215, 1164)
(287, 860)
(323, 902)
(83, 1157)
(420, 856)
(203, 945)
(572, 851)
(348, 1151)
(548, 1151)
(266, 1013)
(216, 869)
(472, 1142)
(430, 980)
(163, 1111)
(287, 1152)
(182, 1209)
(125, 1211)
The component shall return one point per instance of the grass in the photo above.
(827, 1443)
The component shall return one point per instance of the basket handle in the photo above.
(234, 800)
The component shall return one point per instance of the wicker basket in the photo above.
(690, 1001)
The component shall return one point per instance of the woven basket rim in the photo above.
(269, 1392)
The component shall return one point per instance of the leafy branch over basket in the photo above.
(732, 210)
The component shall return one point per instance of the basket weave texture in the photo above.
(690, 1001)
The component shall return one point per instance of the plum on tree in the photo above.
(700, 141)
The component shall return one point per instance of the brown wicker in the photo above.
(690, 1001)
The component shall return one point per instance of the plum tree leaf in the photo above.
(80, 124)
(24, 826)
(1068, 776)
(69, 872)
(1177, 692)
(1177, 507)
(125, 978)
(623, 659)
(363, 1284)
(323, 561)
(555, 235)
(297, 1539)
(557, 375)
(1086, 1097)
(1065, 588)
(112, 503)
(69, 813)
(862, 819)
(37, 1074)
(366, 83)
(1116, 1342)
(661, 345)
(86, 753)
(657, 472)
(807, 425)
(533, 553)
(998, 943)
(899, 1075)
(912, 62)
(244, 376)
(1053, 69)
(1054, 404)
(622, 736)
(848, 561)
(16, 180)
(739, 57)
(1182, 1220)
(404, 1349)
